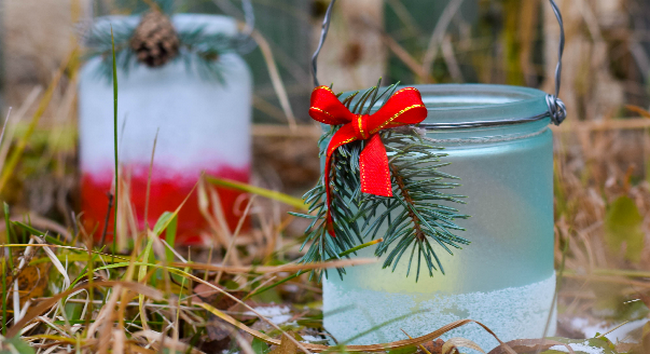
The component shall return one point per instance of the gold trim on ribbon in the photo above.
(360, 124)
(395, 116)
(322, 111)
(323, 87)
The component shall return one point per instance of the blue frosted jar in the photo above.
(499, 144)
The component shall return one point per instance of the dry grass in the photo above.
(154, 297)
(595, 168)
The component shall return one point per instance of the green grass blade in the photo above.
(36, 232)
(142, 273)
(163, 222)
(170, 237)
(9, 239)
(115, 140)
(4, 297)
(281, 197)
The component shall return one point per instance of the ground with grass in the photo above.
(62, 291)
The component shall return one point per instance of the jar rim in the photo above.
(212, 24)
(458, 106)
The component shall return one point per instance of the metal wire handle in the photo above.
(245, 42)
(556, 108)
(323, 35)
(242, 42)
(249, 17)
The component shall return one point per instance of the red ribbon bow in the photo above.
(403, 108)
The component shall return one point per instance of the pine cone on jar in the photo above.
(155, 40)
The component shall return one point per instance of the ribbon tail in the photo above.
(375, 174)
(343, 136)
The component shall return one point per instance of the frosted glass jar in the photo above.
(204, 125)
(505, 278)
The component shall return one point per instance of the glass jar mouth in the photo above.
(211, 24)
(461, 106)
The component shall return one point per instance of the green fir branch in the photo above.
(417, 221)
(418, 217)
(322, 246)
(200, 52)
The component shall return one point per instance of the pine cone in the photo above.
(155, 41)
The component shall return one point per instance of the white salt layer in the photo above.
(512, 313)
(579, 347)
(275, 314)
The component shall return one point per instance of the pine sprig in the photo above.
(416, 220)
(418, 216)
(345, 189)
(321, 245)
(199, 50)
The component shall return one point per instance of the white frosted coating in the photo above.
(208, 23)
(579, 348)
(275, 313)
(202, 122)
(512, 313)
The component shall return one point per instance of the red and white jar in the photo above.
(203, 126)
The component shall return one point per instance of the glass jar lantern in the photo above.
(202, 125)
(505, 278)
(498, 142)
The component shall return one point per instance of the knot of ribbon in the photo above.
(405, 107)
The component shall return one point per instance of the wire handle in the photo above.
(245, 43)
(556, 108)
(323, 35)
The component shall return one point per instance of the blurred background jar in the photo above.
(183, 90)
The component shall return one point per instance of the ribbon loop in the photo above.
(403, 108)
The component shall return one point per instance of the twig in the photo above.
(281, 131)
(276, 80)
(45, 102)
(641, 57)
(419, 345)
(555, 294)
(108, 216)
(438, 34)
(18, 313)
(591, 21)
(4, 126)
(22, 110)
(450, 60)
(229, 250)
(401, 53)
(605, 125)
(404, 16)
(268, 108)
(216, 220)
(419, 234)
(146, 205)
